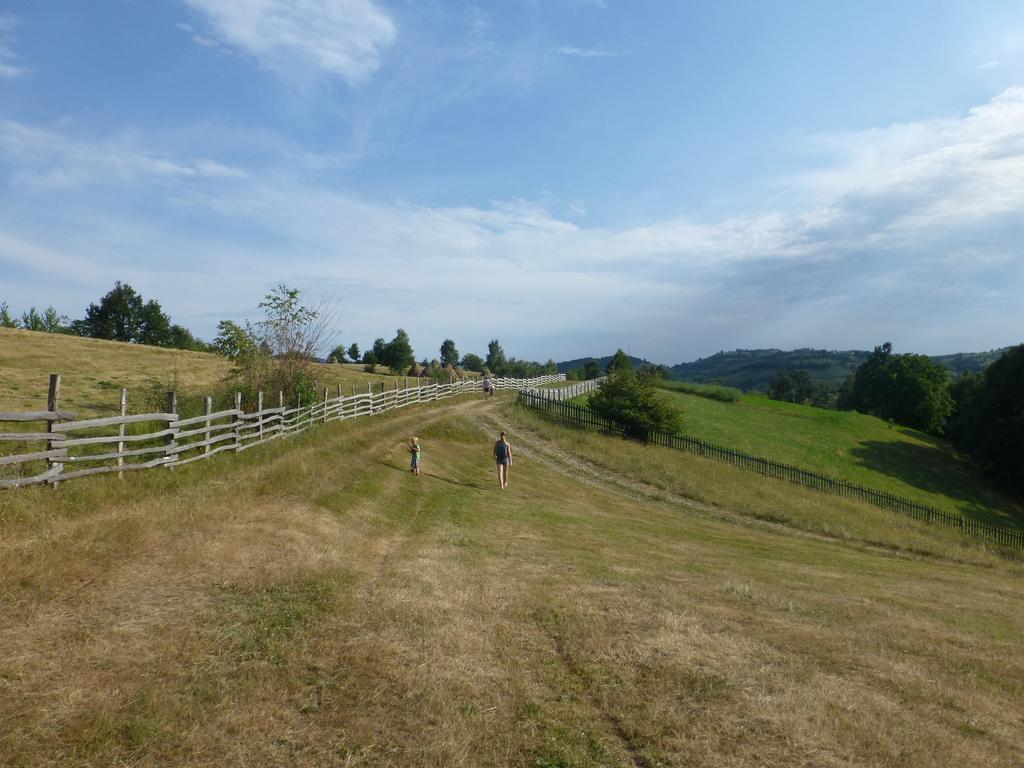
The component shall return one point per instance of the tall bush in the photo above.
(631, 399)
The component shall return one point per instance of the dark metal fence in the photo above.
(585, 417)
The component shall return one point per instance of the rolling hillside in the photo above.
(311, 603)
(95, 370)
(851, 446)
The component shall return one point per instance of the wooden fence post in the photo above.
(120, 433)
(259, 416)
(235, 420)
(325, 404)
(172, 407)
(52, 403)
(207, 410)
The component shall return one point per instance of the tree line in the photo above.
(399, 357)
(120, 315)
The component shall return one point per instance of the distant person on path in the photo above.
(503, 457)
(414, 454)
(488, 387)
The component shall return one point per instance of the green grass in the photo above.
(851, 446)
(710, 391)
(311, 603)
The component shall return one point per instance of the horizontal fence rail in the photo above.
(540, 400)
(66, 448)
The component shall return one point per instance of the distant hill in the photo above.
(749, 369)
(753, 369)
(961, 362)
(579, 362)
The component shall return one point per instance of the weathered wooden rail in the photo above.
(555, 405)
(70, 448)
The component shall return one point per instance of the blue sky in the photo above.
(569, 176)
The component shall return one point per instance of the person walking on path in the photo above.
(414, 455)
(488, 387)
(503, 457)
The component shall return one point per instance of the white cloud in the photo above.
(47, 159)
(989, 65)
(9, 68)
(912, 228)
(586, 53)
(340, 37)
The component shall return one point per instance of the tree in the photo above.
(912, 390)
(377, 354)
(117, 316)
(277, 352)
(53, 322)
(632, 400)
(397, 354)
(32, 321)
(591, 370)
(353, 352)
(6, 321)
(154, 325)
(620, 362)
(449, 354)
(496, 362)
(473, 362)
(337, 354)
(180, 337)
(989, 419)
(964, 426)
(793, 387)
(252, 365)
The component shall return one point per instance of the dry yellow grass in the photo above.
(95, 370)
(311, 604)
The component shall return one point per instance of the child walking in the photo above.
(414, 454)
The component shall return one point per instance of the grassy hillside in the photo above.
(95, 370)
(851, 446)
(314, 604)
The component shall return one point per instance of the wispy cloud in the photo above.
(9, 67)
(587, 53)
(41, 158)
(339, 37)
(906, 231)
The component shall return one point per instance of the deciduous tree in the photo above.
(632, 400)
(449, 354)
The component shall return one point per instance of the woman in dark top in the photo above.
(503, 457)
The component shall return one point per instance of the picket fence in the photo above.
(557, 406)
(75, 449)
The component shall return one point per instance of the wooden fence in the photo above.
(538, 399)
(62, 448)
(567, 392)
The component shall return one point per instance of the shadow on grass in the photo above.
(433, 476)
(926, 468)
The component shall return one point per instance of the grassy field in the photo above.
(851, 446)
(311, 603)
(95, 370)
